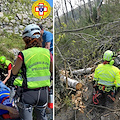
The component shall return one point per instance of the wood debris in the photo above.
(71, 82)
(78, 86)
(77, 101)
(90, 77)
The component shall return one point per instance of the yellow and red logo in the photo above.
(41, 9)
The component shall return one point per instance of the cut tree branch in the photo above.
(71, 82)
(83, 71)
(75, 30)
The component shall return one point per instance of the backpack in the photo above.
(4, 99)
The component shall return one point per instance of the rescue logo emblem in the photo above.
(41, 9)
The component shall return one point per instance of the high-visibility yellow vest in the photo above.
(37, 63)
(18, 81)
(107, 75)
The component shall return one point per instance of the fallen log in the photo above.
(71, 82)
(83, 71)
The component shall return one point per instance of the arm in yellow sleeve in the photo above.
(117, 77)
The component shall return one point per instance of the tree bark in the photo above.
(65, 20)
(75, 30)
(98, 9)
(83, 71)
(58, 18)
(79, 7)
(85, 9)
(66, 8)
(57, 6)
(71, 83)
(90, 9)
(72, 10)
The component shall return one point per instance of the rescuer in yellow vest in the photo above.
(5, 68)
(35, 65)
(106, 78)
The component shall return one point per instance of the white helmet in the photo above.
(30, 30)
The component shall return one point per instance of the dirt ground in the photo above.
(105, 111)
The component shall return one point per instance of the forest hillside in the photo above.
(81, 37)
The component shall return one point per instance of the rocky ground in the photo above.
(14, 16)
(105, 111)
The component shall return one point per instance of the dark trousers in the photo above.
(33, 99)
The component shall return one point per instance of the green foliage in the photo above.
(109, 13)
(63, 25)
(27, 2)
(10, 1)
(9, 42)
(94, 15)
(81, 49)
(76, 47)
(67, 101)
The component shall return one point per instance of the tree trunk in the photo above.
(72, 10)
(58, 18)
(98, 9)
(85, 9)
(90, 9)
(57, 7)
(83, 71)
(66, 8)
(65, 20)
(71, 83)
(80, 9)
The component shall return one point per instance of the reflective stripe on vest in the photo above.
(38, 78)
(107, 74)
(118, 84)
(37, 62)
(106, 83)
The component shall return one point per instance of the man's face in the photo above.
(41, 32)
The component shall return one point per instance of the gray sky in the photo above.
(74, 4)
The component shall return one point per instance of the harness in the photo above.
(106, 88)
(95, 100)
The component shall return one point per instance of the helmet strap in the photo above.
(111, 62)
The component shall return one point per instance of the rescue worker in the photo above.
(106, 78)
(35, 64)
(47, 39)
(6, 109)
(5, 68)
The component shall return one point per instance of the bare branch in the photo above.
(75, 30)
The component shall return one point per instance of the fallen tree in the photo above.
(83, 71)
(71, 82)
